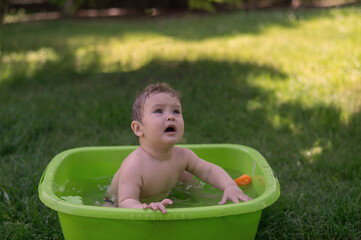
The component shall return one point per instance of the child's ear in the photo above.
(137, 128)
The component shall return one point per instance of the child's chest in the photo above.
(160, 177)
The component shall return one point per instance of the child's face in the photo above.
(162, 120)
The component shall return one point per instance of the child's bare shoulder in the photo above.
(184, 152)
(132, 160)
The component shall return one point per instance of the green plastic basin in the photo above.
(230, 221)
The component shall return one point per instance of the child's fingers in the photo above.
(244, 198)
(153, 206)
(161, 207)
(167, 201)
(223, 201)
(156, 206)
(235, 199)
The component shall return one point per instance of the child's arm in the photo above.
(129, 185)
(215, 176)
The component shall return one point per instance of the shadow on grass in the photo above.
(313, 152)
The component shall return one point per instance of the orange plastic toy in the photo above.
(243, 180)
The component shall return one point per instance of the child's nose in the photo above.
(170, 117)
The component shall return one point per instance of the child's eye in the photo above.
(176, 111)
(158, 111)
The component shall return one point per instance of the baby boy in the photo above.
(154, 168)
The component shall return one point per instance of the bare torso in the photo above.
(153, 177)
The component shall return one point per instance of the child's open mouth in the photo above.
(170, 129)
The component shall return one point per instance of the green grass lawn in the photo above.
(287, 83)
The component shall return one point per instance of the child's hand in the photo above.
(158, 205)
(234, 193)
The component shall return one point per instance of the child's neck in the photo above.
(162, 154)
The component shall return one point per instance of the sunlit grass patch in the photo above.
(26, 63)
